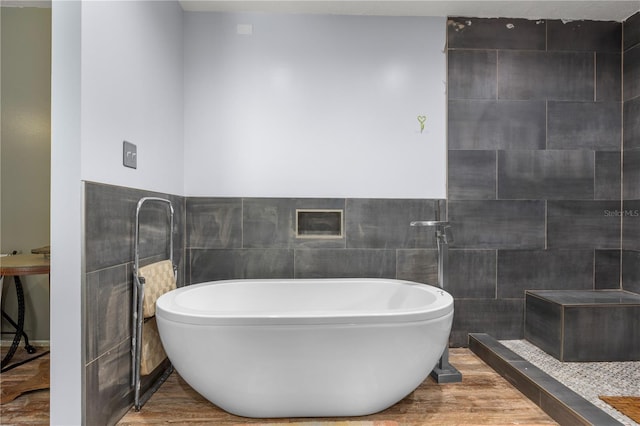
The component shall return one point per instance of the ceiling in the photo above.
(603, 10)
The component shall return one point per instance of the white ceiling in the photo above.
(603, 10)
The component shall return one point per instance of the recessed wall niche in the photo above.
(313, 223)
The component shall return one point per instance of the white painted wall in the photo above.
(67, 350)
(132, 90)
(314, 106)
(116, 74)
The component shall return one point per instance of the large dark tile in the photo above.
(384, 223)
(472, 74)
(493, 125)
(472, 175)
(631, 126)
(350, 263)
(110, 213)
(520, 270)
(600, 36)
(601, 333)
(472, 274)
(583, 224)
(109, 225)
(608, 77)
(497, 224)
(268, 222)
(108, 386)
(631, 164)
(271, 222)
(543, 324)
(108, 296)
(214, 222)
(502, 319)
(546, 75)
(607, 176)
(584, 125)
(607, 269)
(501, 33)
(531, 175)
(632, 31)
(419, 265)
(631, 270)
(632, 73)
(213, 265)
(630, 215)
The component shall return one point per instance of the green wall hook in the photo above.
(422, 119)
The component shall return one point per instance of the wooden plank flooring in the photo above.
(30, 408)
(483, 398)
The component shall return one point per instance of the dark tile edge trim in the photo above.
(608, 304)
(555, 399)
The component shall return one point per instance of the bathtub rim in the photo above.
(168, 310)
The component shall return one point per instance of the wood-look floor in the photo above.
(483, 398)
(32, 407)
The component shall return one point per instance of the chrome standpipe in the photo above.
(443, 371)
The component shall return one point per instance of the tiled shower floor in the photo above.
(588, 379)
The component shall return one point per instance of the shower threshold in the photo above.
(561, 403)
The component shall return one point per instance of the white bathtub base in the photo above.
(306, 371)
(286, 370)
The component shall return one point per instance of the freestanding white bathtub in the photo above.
(305, 347)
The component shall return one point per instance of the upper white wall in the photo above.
(314, 106)
(132, 90)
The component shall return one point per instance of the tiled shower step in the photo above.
(583, 325)
(559, 402)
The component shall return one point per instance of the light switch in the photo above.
(129, 155)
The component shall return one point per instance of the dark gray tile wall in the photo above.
(584, 125)
(607, 269)
(492, 125)
(534, 166)
(260, 239)
(609, 77)
(526, 75)
(631, 31)
(553, 175)
(630, 210)
(109, 235)
(485, 224)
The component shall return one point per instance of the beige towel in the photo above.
(152, 351)
(159, 279)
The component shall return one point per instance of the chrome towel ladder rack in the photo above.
(137, 307)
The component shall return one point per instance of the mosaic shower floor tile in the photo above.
(588, 379)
